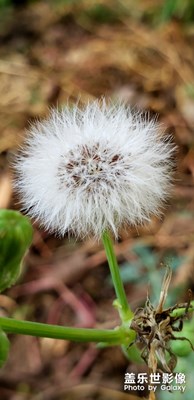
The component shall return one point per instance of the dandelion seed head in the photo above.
(96, 168)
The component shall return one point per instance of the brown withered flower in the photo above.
(155, 329)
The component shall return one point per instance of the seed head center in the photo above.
(87, 165)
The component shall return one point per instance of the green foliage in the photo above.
(144, 270)
(183, 10)
(7, 4)
(189, 89)
(169, 9)
(4, 3)
(15, 238)
(101, 13)
(185, 366)
(182, 348)
(4, 348)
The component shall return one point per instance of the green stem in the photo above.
(110, 336)
(125, 312)
(178, 312)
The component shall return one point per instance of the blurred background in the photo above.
(140, 52)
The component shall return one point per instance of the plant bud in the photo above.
(15, 238)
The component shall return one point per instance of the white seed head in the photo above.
(98, 168)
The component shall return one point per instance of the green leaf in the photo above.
(182, 348)
(4, 348)
(15, 238)
(132, 353)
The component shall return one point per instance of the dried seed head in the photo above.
(155, 329)
(91, 169)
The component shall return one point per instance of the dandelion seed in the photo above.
(84, 171)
